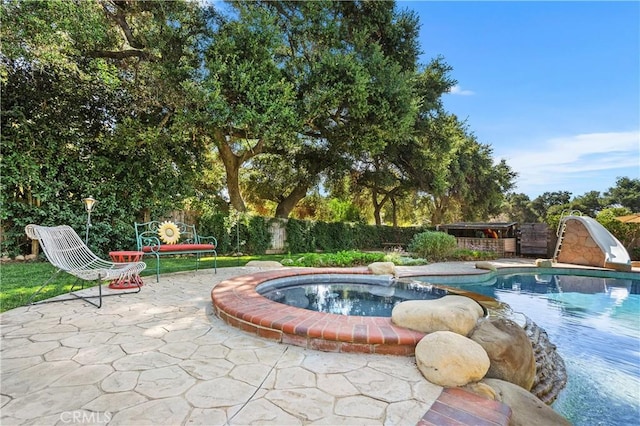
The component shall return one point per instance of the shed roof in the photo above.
(478, 225)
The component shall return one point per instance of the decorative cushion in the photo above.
(179, 247)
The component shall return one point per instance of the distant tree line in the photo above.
(622, 199)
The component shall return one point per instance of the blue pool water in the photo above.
(373, 297)
(595, 324)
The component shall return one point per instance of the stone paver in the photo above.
(160, 357)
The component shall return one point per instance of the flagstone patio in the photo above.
(161, 357)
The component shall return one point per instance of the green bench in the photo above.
(157, 239)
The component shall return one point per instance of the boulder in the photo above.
(449, 359)
(382, 268)
(263, 264)
(526, 409)
(482, 389)
(19, 258)
(449, 313)
(544, 263)
(509, 349)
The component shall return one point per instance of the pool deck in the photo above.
(161, 357)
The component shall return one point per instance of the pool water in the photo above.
(357, 299)
(595, 324)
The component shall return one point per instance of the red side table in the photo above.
(123, 257)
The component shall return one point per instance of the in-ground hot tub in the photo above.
(237, 302)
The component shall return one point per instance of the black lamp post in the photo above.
(88, 205)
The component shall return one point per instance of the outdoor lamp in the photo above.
(88, 205)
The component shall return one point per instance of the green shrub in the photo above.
(259, 239)
(299, 238)
(433, 245)
(212, 224)
(468, 254)
(332, 236)
(345, 258)
(398, 259)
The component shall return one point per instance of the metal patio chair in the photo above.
(66, 251)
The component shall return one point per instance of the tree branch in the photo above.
(122, 54)
(120, 19)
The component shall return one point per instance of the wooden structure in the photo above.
(535, 240)
(499, 237)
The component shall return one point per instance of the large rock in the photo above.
(382, 268)
(509, 349)
(449, 313)
(482, 389)
(544, 263)
(526, 408)
(449, 359)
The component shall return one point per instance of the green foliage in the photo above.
(259, 238)
(82, 117)
(128, 101)
(625, 194)
(559, 200)
(402, 260)
(212, 223)
(472, 255)
(627, 233)
(299, 238)
(433, 245)
(517, 208)
(343, 211)
(333, 236)
(341, 259)
(308, 236)
(589, 204)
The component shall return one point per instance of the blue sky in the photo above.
(553, 87)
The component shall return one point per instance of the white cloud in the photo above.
(457, 90)
(559, 164)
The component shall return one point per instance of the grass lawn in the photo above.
(19, 280)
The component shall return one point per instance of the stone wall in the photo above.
(502, 246)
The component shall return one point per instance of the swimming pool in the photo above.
(595, 323)
(604, 381)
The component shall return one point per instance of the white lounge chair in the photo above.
(67, 252)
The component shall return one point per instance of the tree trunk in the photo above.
(289, 202)
(439, 207)
(232, 165)
(233, 187)
(395, 213)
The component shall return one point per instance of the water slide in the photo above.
(615, 254)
